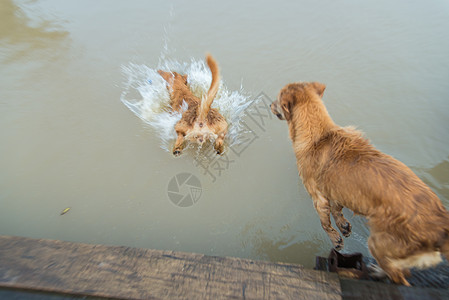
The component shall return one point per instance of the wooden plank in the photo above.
(370, 290)
(130, 273)
(20, 294)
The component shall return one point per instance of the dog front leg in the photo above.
(340, 220)
(219, 143)
(323, 209)
(179, 145)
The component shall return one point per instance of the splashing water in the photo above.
(146, 95)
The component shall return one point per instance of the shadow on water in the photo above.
(281, 244)
(21, 35)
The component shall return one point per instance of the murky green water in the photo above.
(66, 139)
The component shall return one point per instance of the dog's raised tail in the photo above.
(215, 84)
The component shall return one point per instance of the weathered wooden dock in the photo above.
(130, 273)
(82, 270)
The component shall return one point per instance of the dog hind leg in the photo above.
(445, 249)
(380, 243)
(343, 225)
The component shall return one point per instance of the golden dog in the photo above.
(199, 122)
(340, 168)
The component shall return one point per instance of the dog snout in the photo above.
(275, 110)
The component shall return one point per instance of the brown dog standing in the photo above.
(199, 122)
(340, 168)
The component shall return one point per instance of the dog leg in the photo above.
(219, 143)
(376, 244)
(179, 145)
(323, 209)
(445, 249)
(340, 220)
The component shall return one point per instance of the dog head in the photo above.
(200, 133)
(196, 130)
(292, 94)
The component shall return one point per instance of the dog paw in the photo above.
(338, 243)
(346, 229)
(220, 151)
(376, 272)
(219, 148)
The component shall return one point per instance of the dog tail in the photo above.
(215, 84)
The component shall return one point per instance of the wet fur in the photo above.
(340, 168)
(199, 122)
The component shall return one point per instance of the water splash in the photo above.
(146, 95)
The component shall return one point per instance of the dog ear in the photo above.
(166, 75)
(286, 107)
(184, 77)
(319, 88)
